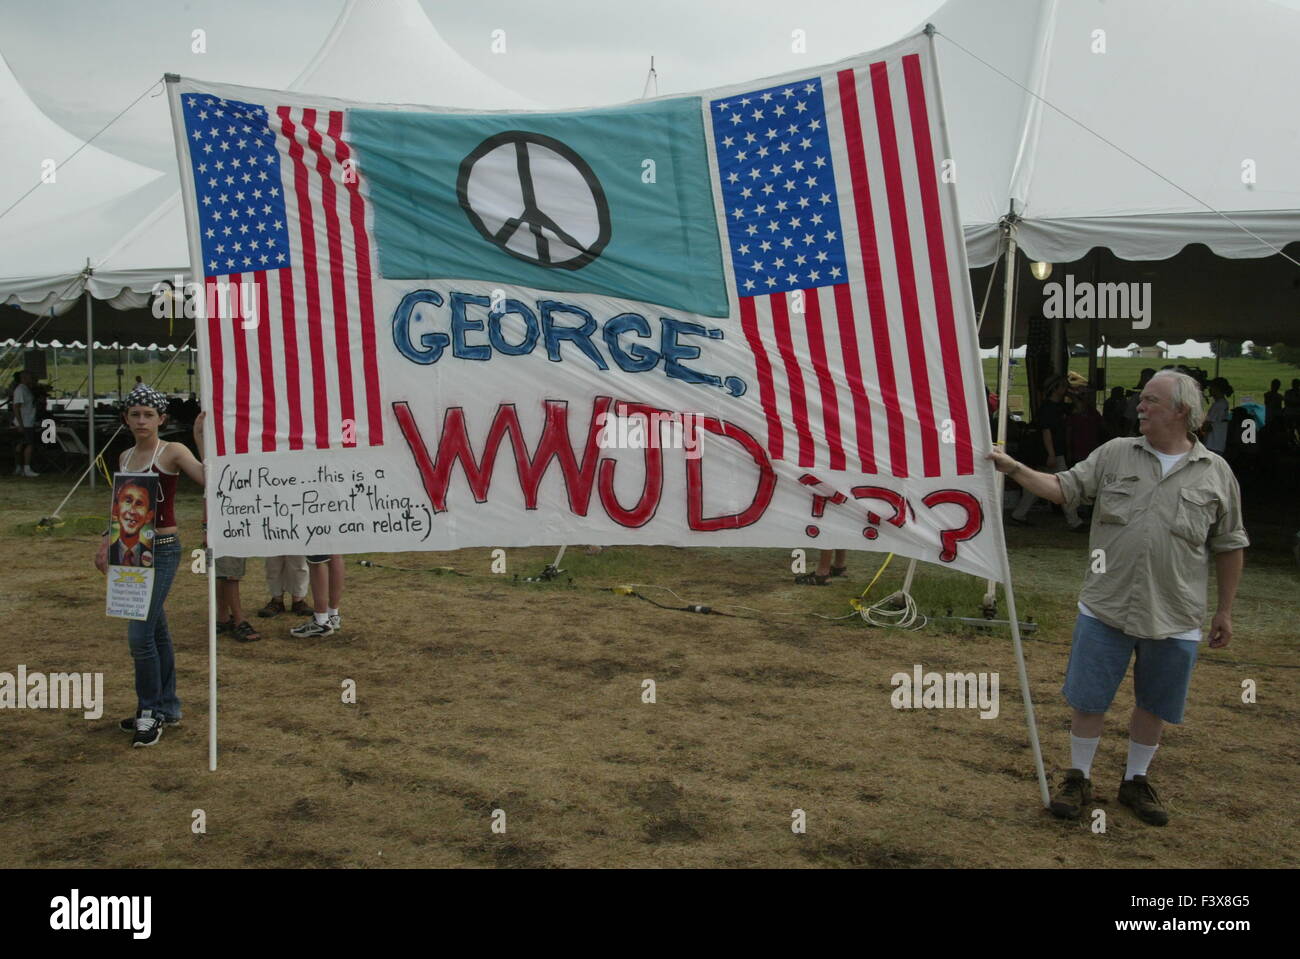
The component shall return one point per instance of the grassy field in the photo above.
(70, 376)
(1248, 377)
(477, 693)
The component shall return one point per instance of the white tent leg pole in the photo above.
(1030, 720)
(559, 556)
(212, 661)
(907, 580)
(1004, 386)
(90, 387)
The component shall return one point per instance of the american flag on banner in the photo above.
(837, 243)
(288, 268)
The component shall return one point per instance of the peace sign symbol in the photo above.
(535, 199)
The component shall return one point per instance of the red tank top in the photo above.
(166, 517)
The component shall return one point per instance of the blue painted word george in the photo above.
(478, 327)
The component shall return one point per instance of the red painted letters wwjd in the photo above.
(454, 444)
(580, 477)
(695, 517)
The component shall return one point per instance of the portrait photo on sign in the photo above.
(135, 500)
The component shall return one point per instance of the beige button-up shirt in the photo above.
(1156, 533)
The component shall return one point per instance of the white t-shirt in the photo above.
(23, 397)
(1167, 462)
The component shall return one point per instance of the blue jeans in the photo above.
(151, 643)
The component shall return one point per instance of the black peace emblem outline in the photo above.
(533, 216)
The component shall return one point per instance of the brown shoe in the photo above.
(1072, 795)
(1140, 796)
(301, 608)
(274, 608)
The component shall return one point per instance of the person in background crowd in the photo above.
(1291, 413)
(1084, 428)
(286, 574)
(1112, 412)
(230, 612)
(1215, 430)
(1273, 401)
(144, 411)
(1051, 418)
(23, 404)
(1131, 406)
(1273, 435)
(326, 595)
(1165, 507)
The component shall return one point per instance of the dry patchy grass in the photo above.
(478, 693)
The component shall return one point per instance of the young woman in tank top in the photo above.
(144, 413)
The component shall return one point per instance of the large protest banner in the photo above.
(737, 318)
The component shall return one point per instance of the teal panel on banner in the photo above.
(615, 201)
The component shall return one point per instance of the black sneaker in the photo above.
(1072, 795)
(148, 728)
(1140, 796)
(128, 725)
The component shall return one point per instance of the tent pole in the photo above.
(1030, 719)
(1217, 354)
(212, 654)
(1004, 386)
(90, 384)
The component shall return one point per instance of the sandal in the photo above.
(812, 579)
(839, 570)
(225, 627)
(245, 633)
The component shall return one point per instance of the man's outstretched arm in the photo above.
(1044, 485)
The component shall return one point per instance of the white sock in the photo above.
(1081, 753)
(332, 611)
(1139, 758)
(322, 619)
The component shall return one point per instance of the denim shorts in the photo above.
(1099, 658)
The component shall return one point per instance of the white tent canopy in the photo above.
(383, 51)
(46, 237)
(1190, 89)
(1184, 87)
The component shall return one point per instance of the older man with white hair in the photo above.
(1164, 505)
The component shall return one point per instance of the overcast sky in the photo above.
(83, 60)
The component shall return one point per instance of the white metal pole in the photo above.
(212, 649)
(1004, 381)
(907, 579)
(196, 268)
(90, 385)
(1030, 719)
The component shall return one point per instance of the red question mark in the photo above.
(968, 530)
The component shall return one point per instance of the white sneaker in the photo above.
(336, 622)
(28, 471)
(311, 629)
(18, 470)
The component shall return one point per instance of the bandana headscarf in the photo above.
(144, 395)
